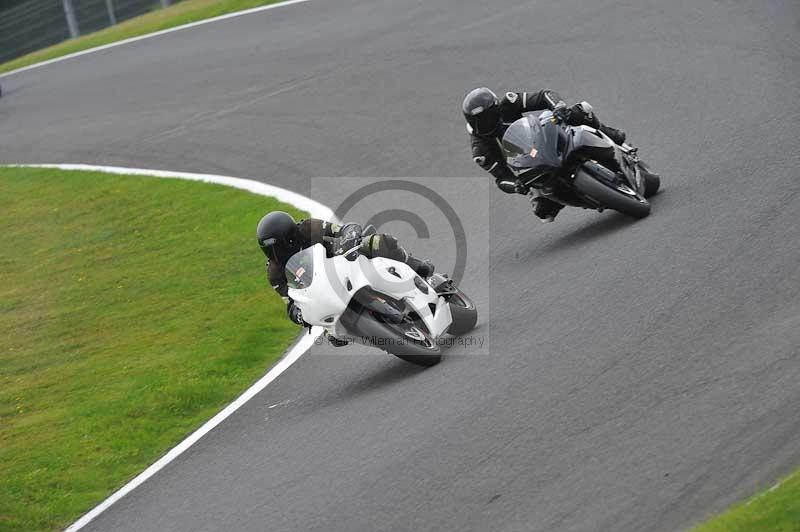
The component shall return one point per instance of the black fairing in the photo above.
(590, 144)
(599, 172)
(534, 145)
(537, 145)
(546, 154)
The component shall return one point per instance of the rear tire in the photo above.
(651, 184)
(464, 312)
(608, 197)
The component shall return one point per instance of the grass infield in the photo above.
(132, 309)
(775, 510)
(160, 19)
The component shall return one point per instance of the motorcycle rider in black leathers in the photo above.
(488, 117)
(280, 237)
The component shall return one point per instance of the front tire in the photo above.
(407, 341)
(608, 197)
(419, 348)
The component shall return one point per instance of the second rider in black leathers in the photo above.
(488, 117)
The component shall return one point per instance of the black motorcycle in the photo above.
(578, 165)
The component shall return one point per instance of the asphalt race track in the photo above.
(638, 375)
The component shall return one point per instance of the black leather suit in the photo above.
(487, 150)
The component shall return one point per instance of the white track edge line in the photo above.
(316, 209)
(148, 35)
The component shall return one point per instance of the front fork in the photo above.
(442, 284)
(628, 159)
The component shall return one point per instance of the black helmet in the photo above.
(278, 236)
(481, 109)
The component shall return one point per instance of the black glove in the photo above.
(562, 112)
(423, 267)
(295, 314)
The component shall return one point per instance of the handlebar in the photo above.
(338, 242)
(560, 112)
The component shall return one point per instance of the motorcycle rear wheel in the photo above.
(464, 312)
(651, 185)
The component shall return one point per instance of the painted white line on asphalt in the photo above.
(316, 209)
(154, 34)
(290, 358)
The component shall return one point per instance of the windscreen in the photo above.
(300, 269)
(532, 143)
(518, 138)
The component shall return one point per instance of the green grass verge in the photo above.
(160, 19)
(131, 310)
(776, 510)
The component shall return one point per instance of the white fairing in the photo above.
(335, 280)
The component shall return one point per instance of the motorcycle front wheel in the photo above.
(608, 196)
(407, 340)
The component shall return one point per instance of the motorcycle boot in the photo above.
(424, 268)
(335, 342)
(617, 135)
(545, 209)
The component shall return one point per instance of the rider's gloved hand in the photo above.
(562, 112)
(423, 267)
(295, 314)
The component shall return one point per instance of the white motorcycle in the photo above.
(379, 302)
